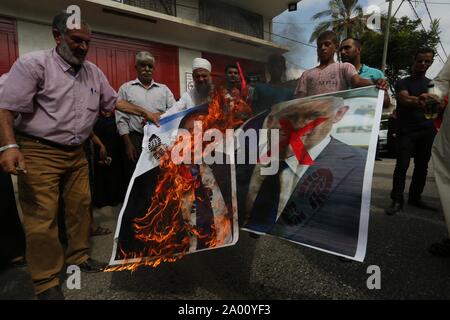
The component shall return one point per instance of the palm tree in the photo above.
(347, 19)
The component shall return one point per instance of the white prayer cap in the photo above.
(200, 63)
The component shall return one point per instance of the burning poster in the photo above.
(319, 195)
(182, 196)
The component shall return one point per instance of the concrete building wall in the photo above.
(37, 36)
(33, 36)
(137, 24)
(34, 30)
(267, 29)
(188, 9)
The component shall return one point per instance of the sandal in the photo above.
(441, 249)
(100, 231)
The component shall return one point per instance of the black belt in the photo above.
(50, 143)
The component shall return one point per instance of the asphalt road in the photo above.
(270, 268)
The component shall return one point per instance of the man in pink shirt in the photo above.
(58, 95)
(331, 76)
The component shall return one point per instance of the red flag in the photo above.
(241, 74)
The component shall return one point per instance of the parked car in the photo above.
(387, 135)
(383, 135)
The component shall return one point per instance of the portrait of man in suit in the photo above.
(211, 207)
(315, 198)
(208, 207)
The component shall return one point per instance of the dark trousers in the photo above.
(136, 139)
(109, 183)
(414, 144)
(12, 236)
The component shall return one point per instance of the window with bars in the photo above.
(163, 6)
(222, 15)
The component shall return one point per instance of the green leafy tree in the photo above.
(406, 36)
(346, 18)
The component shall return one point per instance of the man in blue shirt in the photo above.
(350, 50)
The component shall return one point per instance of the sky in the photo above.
(298, 26)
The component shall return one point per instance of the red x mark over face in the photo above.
(295, 139)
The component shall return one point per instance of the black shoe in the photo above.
(421, 205)
(92, 266)
(394, 208)
(54, 293)
(19, 262)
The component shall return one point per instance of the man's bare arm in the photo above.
(131, 108)
(12, 158)
(358, 82)
(103, 152)
(386, 101)
(6, 127)
(300, 94)
(409, 101)
(128, 107)
(130, 150)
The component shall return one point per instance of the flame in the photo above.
(165, 229)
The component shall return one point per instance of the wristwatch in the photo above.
(9, 146)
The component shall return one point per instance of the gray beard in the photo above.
(67, 54)
(202, 94)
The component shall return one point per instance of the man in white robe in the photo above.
(441, 158)
(200, 94)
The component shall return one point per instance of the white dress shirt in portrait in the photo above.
(290, 177)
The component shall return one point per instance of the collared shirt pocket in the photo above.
(90, 108)
(92, 102)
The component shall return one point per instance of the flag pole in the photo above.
(386, 37)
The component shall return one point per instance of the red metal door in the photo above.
(8, 44)
(116, 56)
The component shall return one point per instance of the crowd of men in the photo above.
(50, 103)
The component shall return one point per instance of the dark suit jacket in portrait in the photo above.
(324, 209)
(244, 171)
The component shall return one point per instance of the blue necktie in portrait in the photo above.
(203, 209)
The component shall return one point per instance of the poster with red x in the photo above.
(324, 150)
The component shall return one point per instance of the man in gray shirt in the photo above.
(147, 94)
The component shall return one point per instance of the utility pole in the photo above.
(386, 37)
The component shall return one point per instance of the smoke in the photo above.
(293, 72)
(288, 28)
